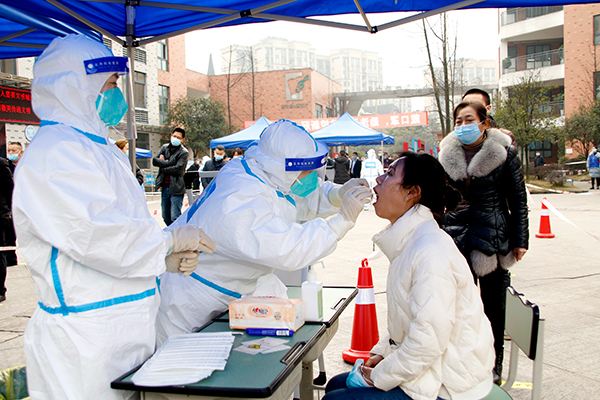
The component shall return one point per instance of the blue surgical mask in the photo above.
(111, 106)
(355, 378)
(468, 133)
(306, 185)
(12, 157)
(219, 158)
(175, 141)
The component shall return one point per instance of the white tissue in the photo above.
(270, 286)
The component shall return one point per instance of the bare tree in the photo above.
(240, 67)
(443, 71)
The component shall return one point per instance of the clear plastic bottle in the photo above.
(312, 297)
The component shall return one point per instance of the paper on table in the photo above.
(263, 346)
(185, 359)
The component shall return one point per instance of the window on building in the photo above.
(538, 56)
(143, 142)
(8, 66)
(139, 55)
(141, 116)
(318, 111)
(597, 84)
(139, 89)
(163, 104)
(542, 147)
(596, 30)
(163, 55)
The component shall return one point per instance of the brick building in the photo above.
(582, 67)
(294, 94)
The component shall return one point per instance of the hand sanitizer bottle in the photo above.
(312, 297)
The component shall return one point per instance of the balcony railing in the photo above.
(554, 108)
(512, 15)
(532, 61)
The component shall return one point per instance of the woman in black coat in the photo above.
(487, 215)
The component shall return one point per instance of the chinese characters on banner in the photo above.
(373, 121)
(15, 106)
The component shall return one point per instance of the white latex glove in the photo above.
(353, 202)
(190, 238)
(336, 194)
(183, 261)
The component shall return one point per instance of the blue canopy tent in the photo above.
(137, 22)
(244, 138)
(25, 35)
(348, 131)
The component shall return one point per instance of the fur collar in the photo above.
(492, 154)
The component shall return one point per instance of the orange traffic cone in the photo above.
(545, 230)
(364, 330)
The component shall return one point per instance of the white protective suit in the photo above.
(83, 226)
(371, 168)
(248, 212)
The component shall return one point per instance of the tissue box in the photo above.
(266, 312)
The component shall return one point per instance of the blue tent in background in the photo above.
(142, 153)
(244, 138)
(348, 131)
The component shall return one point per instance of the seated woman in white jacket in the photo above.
(439, 343)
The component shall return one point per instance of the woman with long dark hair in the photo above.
(438, 343)
(487, 211)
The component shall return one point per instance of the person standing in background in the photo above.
(214, 164)
(7, 230)
(342, 168)
(593, 164)
(486, 211)
(355, 165)
(171, 160)
(14, 151)
(192, 180)
(371, 168)
(123, 145)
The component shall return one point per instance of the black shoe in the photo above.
(2, 298)
(497, 378)
(497, 371)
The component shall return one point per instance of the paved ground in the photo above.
(561, 275)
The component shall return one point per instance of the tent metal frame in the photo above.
(131, 40)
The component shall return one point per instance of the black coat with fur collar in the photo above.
(489, 211)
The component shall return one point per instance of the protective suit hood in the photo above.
(371, 154)
(63, 90)
(284, 151)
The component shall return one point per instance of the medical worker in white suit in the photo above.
(371, 168)
(254, 211)
(84, 229)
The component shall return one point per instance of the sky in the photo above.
(402, 48)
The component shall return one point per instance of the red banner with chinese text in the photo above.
(15, 106)
(373, 121)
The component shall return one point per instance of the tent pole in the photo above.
(426, 14)
(382, 153)
(364, 16)
(87, 22)
(232, 17)
(131, 127)
(16, 34)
